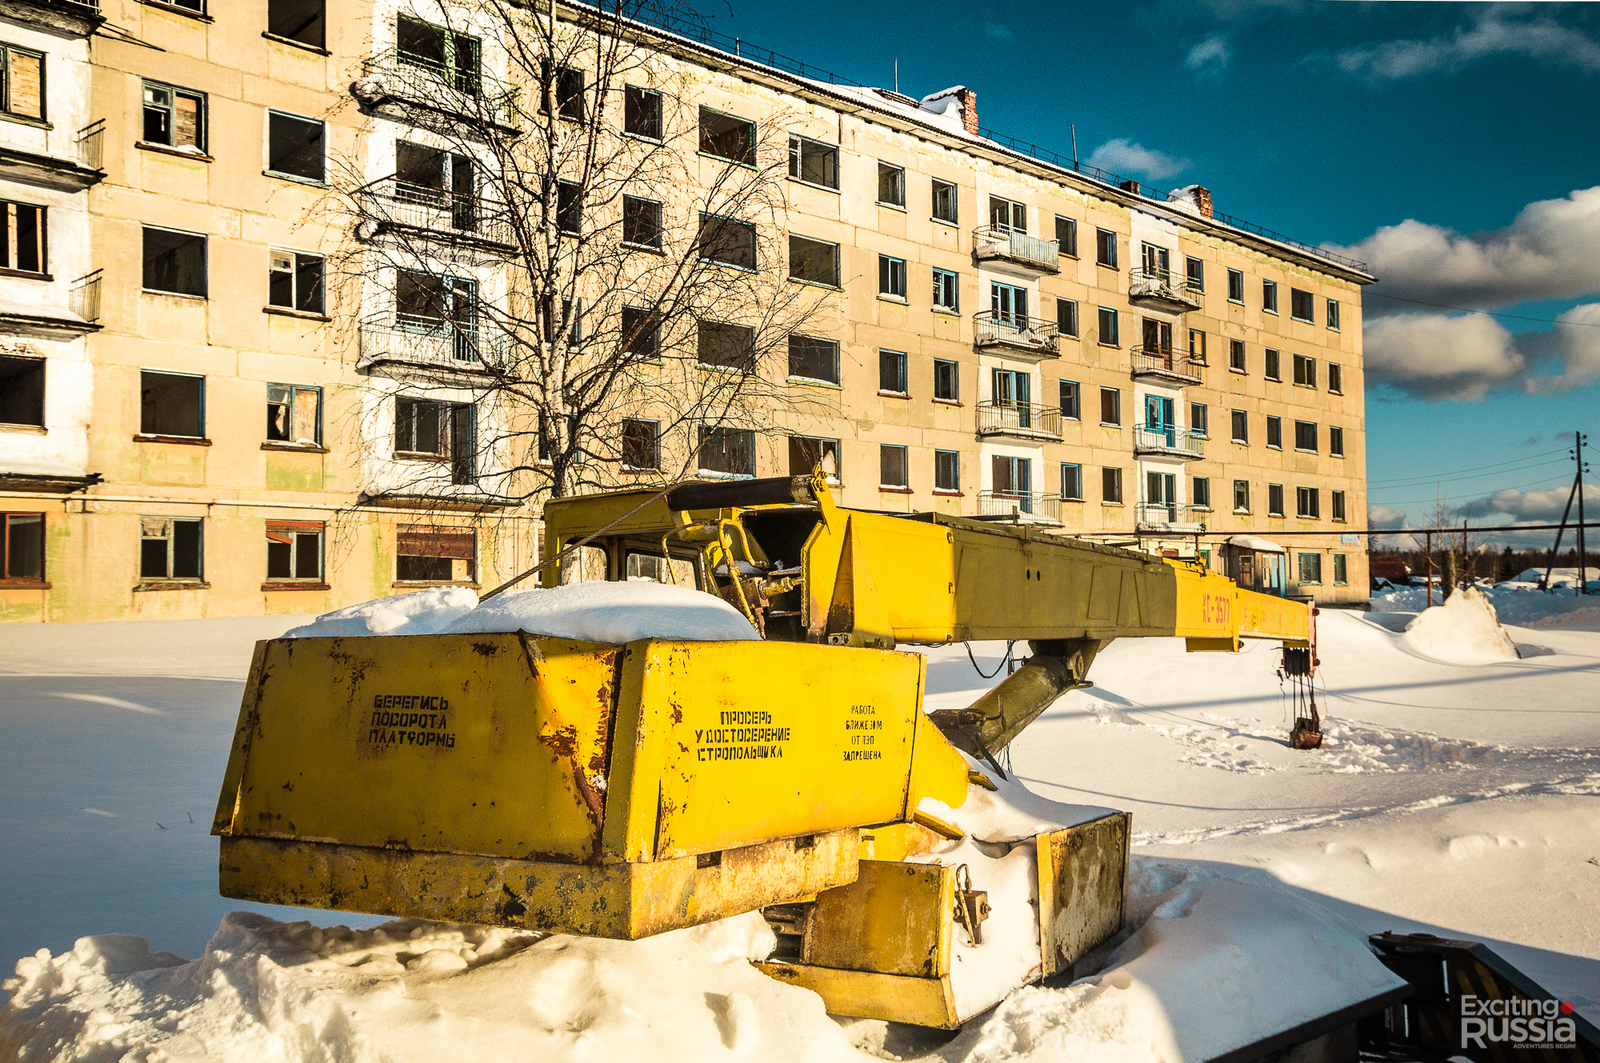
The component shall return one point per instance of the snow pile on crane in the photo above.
(1464, 630)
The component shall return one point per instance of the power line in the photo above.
(1547, 481)
(1490, 313)
(1423, 481)
(1495, 465)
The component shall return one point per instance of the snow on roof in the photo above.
(37, 310)
(1256, 543)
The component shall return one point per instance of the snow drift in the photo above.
(1464, 630)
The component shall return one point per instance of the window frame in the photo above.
(1237, 362)
(1299, 433)
(624, 444)
(35, 365)
(886, 276)
(1068, 495)
(1194, 273)
(947, 369)
(1305, 371)
(450, 71)
(952, 459)
(1336, 507)
(898, 173)
(1070, 396)
(294, 392)
(834, 281)
(1272, 364)
(885, 452)
(1113, 396)
(1269, 296)
(1200, 492)
(1301, 557)
(6, 550)
(1116, 327)
(1297, 297)
(321, 179)
(1335, 441)
(1239, 427)
(294, 274)
(746, 364)
(1335, 378)
(7, 49)
(799, 159)
(1236, 286)
(10, 223)
(205, 262)
(202, 117)
(1066, 236)
(321, 22)
(1067, 317)
(887, 358)
(1111, 485)
(748, 227)
(706, 433)
(297, 530)
(1308, 503)
(1333, 316)
(641, 340)
(747, 158)
(1274, 432)
(825, 445)
(200, 404)
(1105, 248)
(831, 345)
(1341, 570)
(171, 539)
(1275, 509)
(629, 93)
(946, 290)
(634, 202)
(1200, 420)
(936, 186)
(434, 530)
(1241, 490)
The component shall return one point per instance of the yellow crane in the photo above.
(626, 790)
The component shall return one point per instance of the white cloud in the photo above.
(1211, 57)
(1539, 505)
(1123, 156)
(1576, 342)
(998, 31)
(1434, 357)
(1541, 39)
(1382, 516)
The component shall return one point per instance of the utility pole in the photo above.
(1583, 569)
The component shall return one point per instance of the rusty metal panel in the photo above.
(895, 918)
(873, 994)
(1083, 874)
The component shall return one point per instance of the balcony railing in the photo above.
(1160, 439)
(394, 203)
(1167, 363)
(1030, 334)
(408, 340)
(1171, 515)
(396, 76)
(1025, 419)
(1003, 244)
(85, 296)
(1020, 505)
(1163, 289)
(91, 149)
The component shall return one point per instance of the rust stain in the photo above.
(563, 741)
(486, 649)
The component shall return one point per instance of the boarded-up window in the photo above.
(426, 553)
(174, 117)
(24, 78)
(294, 414)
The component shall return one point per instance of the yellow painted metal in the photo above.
(1214, 612)
(874, 995)
(895, 919)
(1083, 887)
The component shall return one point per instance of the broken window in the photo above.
(1274, 432)
(301, 21)
(22, 391)
(1335, 378)
(728, 241)
(294, 550)
(428, 554)
(813, 260)
(1067, 317)
(1236, 286)
(892, 276)
(1271, 367)
(171, 404)
(814, 359)
(295, 146)
(22, 547)
(426, 302)
(569, 207)
(641, 222)
(174, 262)
(808, 452)
(170, 548)
(1310, 568)
(727, 452)
(1301, 305)
(641, 113)
(814, 162)
(640, 447)
(440, 430)
(439, 179)
(1110, 406)
(1007, 216)
(727, 136)
(892, 372)
(1240, 426)
(174, 117)
(641, 334)
(567, 86)
(891, 184)
(1194, 274)
(1236, 356)
(1336, 441)
(1066, 236)
(1070, 396)
(294, 414)
(1109, 330)
(726, 346)
(21, 82)
(1200, 492)
(1333, 314)
(1241, 496)
(453, 57)
(944, 201)
(946, 290)
(892, 466)
(295, 281)
(1071, 482)
(946, 380)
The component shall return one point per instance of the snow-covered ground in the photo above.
(1457, 798)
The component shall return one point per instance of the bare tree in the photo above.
(1459, 553)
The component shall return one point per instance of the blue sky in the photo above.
(1453, 146)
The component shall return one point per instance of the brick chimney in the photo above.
(1202, 200)
(969, 110)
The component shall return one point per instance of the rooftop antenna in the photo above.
(1074, 143)
(897, 73)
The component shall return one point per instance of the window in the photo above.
(1341, 571)
(1007, 216)
(891, 184)
(174, 117)
(174, 262)
(1105, 247)
(1111, 485)
(22, 547)
(806, 453)
(1071, 400)
(641, 222)
(728, 241)
(569, 208)
(1333, 316)
(300, 21)
(1307, 502)
(892, 466)
(641, 112)
(947, 470)
(1274, 432)
(814, 359)
(892, 276)
(1336, 441)
(946, 290)
(1337, 500)
(1067, 316)
(455, 58)
(1301, 305)
(21, 390)
(1305, 436)
(1236, 356)
(944, 201)
(169, 548)
(1270, 367)
(21, 82)
(1199, 419)
(294, 146)
(440, 305)
(294, 551)
(171, 404)
(1008, 303)
(727, 452)
(813, 261)
(892, 372)
(294, 414)
(641, 334)
(294, 281)
(1200, 492)
(1305, 371)
(1241, 496)
(1110, 406)
(1014, 477)
(428, 554)
(639, 444)
(1235, 286)
(727, 137)
(22, 237)
(440, 430)
(814, 162)
(1157, 260)
(1108, 327)
(1310, 568)
(727, 346)
(1010, 387)
(946, 380)
(1269, 296)
(1071, 482)
(442, 180)
(1067, 236)
(567, 85)
(1194, 273)
(1197, 347)
(1335, 378)
(1274, 500)
(1240, 426)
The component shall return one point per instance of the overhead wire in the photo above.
(1490, 313)
(1494, 465)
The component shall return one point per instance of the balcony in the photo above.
(1168, 516)
(1020, 420)
(57, 172)
(401, 339)
(1015, 252)
(1162, 289)
(437, 213)
(1165, 363)
(1026, 335)
(1021, 506)
(1164, 439)
(396, 77)
(74, 19)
